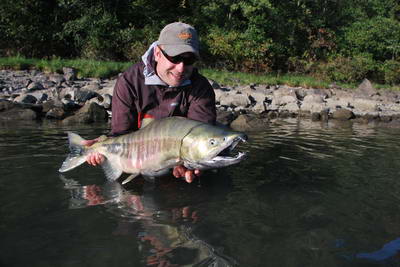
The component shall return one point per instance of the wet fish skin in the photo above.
(158, 147)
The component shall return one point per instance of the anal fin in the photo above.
(111, 171)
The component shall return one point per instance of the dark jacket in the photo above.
(133, 100)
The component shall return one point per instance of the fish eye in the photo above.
(213, 142)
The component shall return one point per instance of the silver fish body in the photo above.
(158, 147)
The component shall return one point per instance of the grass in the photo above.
(107, 69)
(84, 67)
(236, 78)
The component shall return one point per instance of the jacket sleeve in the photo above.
(202, 107)
(124, 113)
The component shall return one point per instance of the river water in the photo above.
(308, 195)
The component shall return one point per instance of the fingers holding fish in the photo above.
(95, 159)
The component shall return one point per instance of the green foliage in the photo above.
(134, 42)
(16, 63)
(241, 35)
(27, 28)
(239, 51)
(240, 78)
(347, 69)
(378, 36)
(93, 39)
(391, 72)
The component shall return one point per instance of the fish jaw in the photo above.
(208, 147)
(216, 162)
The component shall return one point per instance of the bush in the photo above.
(390, 70)
(347, 69)
(237, 50)
(301, 66)
(133, 43)
(378, 36)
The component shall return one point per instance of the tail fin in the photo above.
(77, 155)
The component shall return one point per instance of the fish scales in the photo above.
(155, 146)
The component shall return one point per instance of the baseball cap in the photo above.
(177, 38)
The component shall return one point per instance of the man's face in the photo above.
(171, 73)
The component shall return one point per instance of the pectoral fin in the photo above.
(130, 178)
(111, 171)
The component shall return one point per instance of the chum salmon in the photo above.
(158, 147)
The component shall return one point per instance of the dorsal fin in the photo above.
(145, 122)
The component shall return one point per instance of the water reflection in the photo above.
(166, 237)
(308, 195)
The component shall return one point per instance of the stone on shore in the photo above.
(69, 74)
(55, 113)
(18, 113)
(365, 89)
(65, 96)
(343, 114)
(225, 117)
(26, 98)
(248, 123)
(89, 113)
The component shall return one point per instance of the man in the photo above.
(164, 84)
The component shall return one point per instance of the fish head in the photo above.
(207, 146)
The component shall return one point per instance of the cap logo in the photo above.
(185, 35)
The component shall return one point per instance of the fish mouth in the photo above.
(223, 157)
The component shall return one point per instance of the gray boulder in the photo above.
(90, 112)
(105, 100)
(57, 78)
(342, 114)
(48, 84)
(17, 113)
(246, 123)
(81, 96)
(365, 89)
(235, 99)
(55, 113)
(92, 86)
(313, 103)
(26, 98)
(35, 86)
(69, 74)
(364, 105)
(225, 117)
(47, 106)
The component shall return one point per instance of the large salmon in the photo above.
(158, 147)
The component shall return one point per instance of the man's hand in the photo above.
(189, 175)
(93, 158)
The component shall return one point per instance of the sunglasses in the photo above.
(187, 60)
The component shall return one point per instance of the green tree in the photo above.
(379, 36)
(27, 28)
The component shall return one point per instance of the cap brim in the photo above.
(174, 50)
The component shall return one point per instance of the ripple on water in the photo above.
(305, 194)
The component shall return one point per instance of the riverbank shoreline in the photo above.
(31, 95)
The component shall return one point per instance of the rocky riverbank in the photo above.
(34, 95)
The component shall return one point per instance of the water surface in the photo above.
(308, 195)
